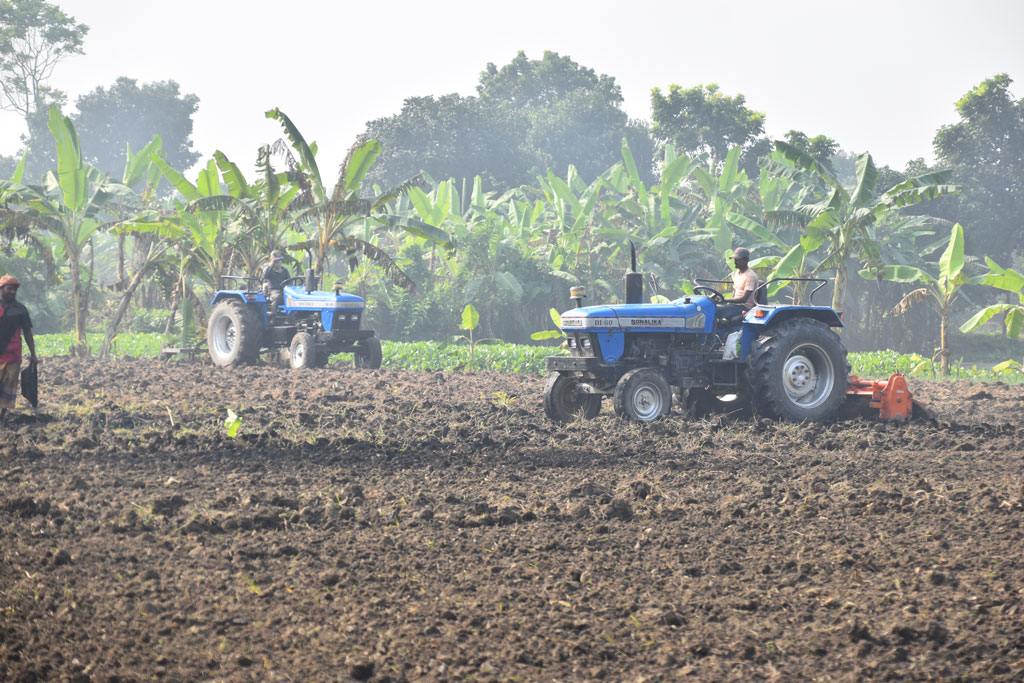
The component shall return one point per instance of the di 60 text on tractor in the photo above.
(779, 361)
(300, 326)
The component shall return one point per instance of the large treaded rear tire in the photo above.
(563, 404)
(799, 372)
(233, 334)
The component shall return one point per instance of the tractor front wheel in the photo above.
(642, 395)
(233, 334)
(303, 352)
(800, 372)
(368, 354)
(562, 403)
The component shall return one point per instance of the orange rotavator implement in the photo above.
(891, 398)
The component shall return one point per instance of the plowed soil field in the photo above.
(393, 526)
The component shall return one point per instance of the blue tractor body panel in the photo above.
(331, 306)
(693, 315)
(255, 299)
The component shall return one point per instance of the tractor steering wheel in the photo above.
(710, 293)
(293, 281)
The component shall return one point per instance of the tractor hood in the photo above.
(694, 314)
(297, 298)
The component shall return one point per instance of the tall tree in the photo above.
(704, 120)
(127, 116)
(529, 116)
(985, 151)
(34, 37)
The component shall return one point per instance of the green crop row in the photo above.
(132, 344)
(517, 358)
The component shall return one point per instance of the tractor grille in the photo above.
(346, 321)
(582, 344)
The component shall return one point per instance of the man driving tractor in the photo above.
(274, 275)
(744, 283)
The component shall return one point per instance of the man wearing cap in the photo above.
(744, 284)
(14, 322)
(274, 272)
(274, 275)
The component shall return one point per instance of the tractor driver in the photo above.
(744, 283)
(274, 275)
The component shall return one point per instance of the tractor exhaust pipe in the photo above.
(634, 280)
(310, 280)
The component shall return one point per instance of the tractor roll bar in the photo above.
(251, 284)
(763, 286)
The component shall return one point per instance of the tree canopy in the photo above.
(704, 120)
(34, 37)
(529, 115)
(128, 114)
(985, 151)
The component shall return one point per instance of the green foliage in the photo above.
(703, 120)
(127, 116)
(34, 37)
(126, 344)
(498, 358)
(881, 364)
(985, 151)
(232, 424)
(1008, 280)
(530, 116)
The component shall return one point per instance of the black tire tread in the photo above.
(768, 398)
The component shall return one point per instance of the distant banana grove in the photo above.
(116, 253)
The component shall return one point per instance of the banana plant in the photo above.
(942, 289)
(328, 218)
(658, 219)
(69, 207)
(1008, 280)
(470, 321)
(259, 209)
(844, 218)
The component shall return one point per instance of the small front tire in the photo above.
(642, 395)
(562, 403)
(303, 352)
(368, 354)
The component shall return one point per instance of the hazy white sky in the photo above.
(879, 76)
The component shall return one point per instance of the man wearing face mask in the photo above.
(14, 322)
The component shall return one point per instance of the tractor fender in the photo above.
(255, 299)
(754, 326)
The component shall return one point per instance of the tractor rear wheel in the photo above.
(642, 395)
(562, 403)
(368, 354)
(303, 352)
(800, 372)
(233, 334)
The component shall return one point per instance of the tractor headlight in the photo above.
(572, 342)
(585, 343)
(696, 322)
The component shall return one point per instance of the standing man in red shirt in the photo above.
(14, 321)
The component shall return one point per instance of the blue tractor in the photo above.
(778, 361)
(301, 329)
